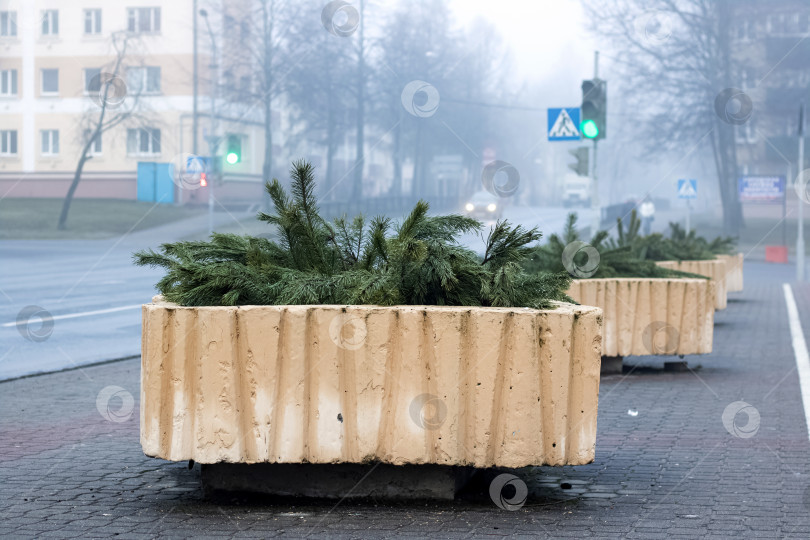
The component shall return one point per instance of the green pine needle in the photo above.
(354, 261)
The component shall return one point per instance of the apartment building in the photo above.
(53, 55)
(773, 53)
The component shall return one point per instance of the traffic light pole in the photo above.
(596, 218)
(212, 137)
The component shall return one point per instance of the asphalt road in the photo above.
(89, 292)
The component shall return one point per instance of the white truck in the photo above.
(576, 191)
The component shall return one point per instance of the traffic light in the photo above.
(581, 166)
(593, 124)
(234, 153)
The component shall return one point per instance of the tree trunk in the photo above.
(417, 188)
(331, 145)
(727, 151)
(77, 176)
(267, 167)
(357, 188)
(396, 187)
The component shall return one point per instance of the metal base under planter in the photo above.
(677, 367)
(611, 365)
(337, 480)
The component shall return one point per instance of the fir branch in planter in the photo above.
(418, 262)
(679, 246)
(616, 258)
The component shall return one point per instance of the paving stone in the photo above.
(65, 471)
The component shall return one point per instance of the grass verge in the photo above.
(28, 219)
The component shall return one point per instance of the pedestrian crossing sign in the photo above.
(687, 189)
(563, 124)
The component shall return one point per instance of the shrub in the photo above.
(679, 246)
(355, 261)
(616, 257)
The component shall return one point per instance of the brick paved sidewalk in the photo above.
(673, 470)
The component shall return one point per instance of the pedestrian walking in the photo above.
(647, 211)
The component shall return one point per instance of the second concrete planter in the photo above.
(714, 269)
(734, 271)
(645, 316)
(473, 386)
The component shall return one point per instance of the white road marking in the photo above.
(800, 351)
(82, 314)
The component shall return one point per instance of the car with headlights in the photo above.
(484, 205)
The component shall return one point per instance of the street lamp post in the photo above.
(213, 139)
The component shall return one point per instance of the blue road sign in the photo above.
(761, 188)
(563, 124)
(687, 189)
(198, 164)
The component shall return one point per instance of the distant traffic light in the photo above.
(234, 153)
(593, 124)
(581, 166)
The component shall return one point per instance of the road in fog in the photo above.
(92, 292)
(549, 220)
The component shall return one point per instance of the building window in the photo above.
(143, 141)
(92, 80)
(228, 24)
(143, 20)
(746, 30)
(8, 82)
(50, 81)
(8, 23)
(746, 133)
(50, 142)
(144, 80)
(244, 31)
(50, 22)
(245, 84)
(8, 142)
(92, 21)
(747, 79)
(95, 145)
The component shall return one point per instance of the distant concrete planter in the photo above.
(645, 316)
(466, 386)
(713, 268)
(734, 271)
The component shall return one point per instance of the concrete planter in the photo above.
(734, 271)
(645, 316)
(455, 386)
(714, 269)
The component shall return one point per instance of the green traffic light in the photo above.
(232, 158)
(589, 129)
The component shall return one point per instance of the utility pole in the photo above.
(213, 140)
(800, 201)
(195, 121)
(597, 218)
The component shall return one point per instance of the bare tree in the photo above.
(677, 59)
(258, 50)
(115, 105)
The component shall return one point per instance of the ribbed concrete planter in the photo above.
(644, 316)
(714, 269)
(482, 387)
(734, 271)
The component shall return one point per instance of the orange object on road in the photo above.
(776, 254)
